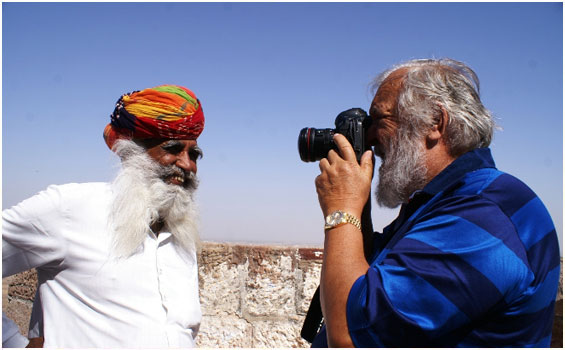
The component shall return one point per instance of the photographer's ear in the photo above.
(441, 118)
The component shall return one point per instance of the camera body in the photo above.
(314, 144)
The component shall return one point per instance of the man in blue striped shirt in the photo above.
(472, 260)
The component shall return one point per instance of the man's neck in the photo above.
(437, 159)
(157, 226)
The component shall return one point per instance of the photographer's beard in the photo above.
(402, 171)
(142, 197)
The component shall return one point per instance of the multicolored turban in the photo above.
(166, 111)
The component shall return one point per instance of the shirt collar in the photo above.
(473, 160)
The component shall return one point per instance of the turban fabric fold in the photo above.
(166, 111)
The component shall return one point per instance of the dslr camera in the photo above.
(314, 144)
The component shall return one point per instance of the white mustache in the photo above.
(188, 178)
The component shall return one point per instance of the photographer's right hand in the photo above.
(343, 183)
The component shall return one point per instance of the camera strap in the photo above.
(314, 318)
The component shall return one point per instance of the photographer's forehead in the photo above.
(386, 97)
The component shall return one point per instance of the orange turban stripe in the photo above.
(166, 111)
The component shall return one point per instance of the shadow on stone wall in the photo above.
(252, 296)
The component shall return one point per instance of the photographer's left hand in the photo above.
(343, 183)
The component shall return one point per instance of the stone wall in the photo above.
(252, 296)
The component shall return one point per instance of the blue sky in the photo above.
(262, 72)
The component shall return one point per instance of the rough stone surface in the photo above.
(220, 275)
(251, 296)
(23, 285)
(270, 287)
(309, 271)
(19, 312)
(225, 332)
(278, 334)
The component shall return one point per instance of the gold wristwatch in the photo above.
(339, 217)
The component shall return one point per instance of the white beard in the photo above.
(142, 198)
(402, 170)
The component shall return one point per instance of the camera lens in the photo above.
(314, 144)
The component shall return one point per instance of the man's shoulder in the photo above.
(76, 187)
(497, 202)
(80, 187)
(494, 185)
(509, 192)
(82, 192)
(64, 195)
(491, 195)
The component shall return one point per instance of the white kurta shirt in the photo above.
(88, 298)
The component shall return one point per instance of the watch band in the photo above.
(339, 217)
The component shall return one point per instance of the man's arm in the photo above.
(35, 342)
(343, 264)
(342, 185)
(29, 233)
(29, 241)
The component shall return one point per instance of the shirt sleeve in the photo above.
(11, 336)
(31, 233)
(446, 272)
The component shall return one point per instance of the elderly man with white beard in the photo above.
(472, 260)
(116, 262)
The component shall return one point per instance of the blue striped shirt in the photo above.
(471, 261)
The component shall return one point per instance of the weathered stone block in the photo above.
(220, 281)
(20, 312)
(23, 285)
(5, 285)
(224, 332)
(18, 293)
(270, 286)
(309, 267)
(278, 334)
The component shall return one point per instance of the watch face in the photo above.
(334, 218)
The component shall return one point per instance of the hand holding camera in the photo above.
(344, 184)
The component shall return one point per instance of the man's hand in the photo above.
(344, 184)
(35, 342)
